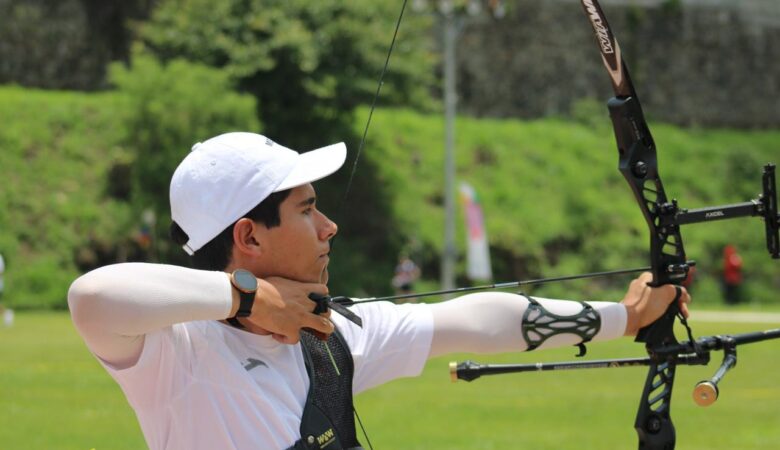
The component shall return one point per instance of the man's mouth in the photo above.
(324, 274)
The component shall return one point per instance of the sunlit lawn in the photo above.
(54, 395)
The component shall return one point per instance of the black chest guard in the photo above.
(328, 422)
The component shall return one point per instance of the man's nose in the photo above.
(328, 228)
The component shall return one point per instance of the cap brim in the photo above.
(315, 165)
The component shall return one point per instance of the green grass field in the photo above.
(54, 395)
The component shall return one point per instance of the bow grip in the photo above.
(662, 330)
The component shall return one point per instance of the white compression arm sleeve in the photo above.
(491, 322)
(115, 306)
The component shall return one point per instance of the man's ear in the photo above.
(244, 236)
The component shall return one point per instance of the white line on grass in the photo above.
(735, 316)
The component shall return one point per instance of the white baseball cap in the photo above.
(225, 177)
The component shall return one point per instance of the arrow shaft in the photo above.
(505, 285)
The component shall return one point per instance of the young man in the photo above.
(210, 358)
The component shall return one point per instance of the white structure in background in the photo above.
(478, 251)
(452, 14)
(8, 315)
(2, 271)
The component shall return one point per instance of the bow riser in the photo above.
(639, 165)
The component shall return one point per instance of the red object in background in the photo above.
(732, 266)
(689, 279)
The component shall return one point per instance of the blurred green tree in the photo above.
(172, 106)
(309, 64)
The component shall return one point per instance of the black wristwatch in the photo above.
(246, 285)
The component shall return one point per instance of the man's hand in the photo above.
(645, 304)
(282, 307)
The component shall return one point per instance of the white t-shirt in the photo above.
(207, 385)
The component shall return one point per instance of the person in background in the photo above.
(732, 275)
(406, 273)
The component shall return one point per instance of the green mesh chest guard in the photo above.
(328, 422)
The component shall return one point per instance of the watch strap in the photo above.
(234, 321)
(247, 299)
(246, 294)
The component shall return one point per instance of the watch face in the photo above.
(244, 280)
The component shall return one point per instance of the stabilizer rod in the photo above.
(470, 370)
(685, 353)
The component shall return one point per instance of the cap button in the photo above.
(195, 147)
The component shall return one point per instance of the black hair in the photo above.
(216, 254)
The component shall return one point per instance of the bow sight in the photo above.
(765, 206)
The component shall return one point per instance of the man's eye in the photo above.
(307, 211)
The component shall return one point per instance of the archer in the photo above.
(238, 353)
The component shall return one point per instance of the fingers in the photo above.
(679, 293)
(645, 303)
(683, 301)
(298, 315)
(315, 288)
(684, 310)
(318, 324)
(282, 308)
(324, 330)
(282, 339)
(319, 335)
